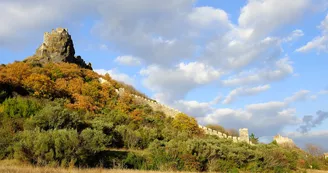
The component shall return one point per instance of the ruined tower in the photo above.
(243, 135)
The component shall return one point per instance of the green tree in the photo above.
(253, 139)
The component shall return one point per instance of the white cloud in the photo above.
(173, 84)
(128, 60)
(298, 96)
(243, 91)
(207, 17)
(194, 108)
(34, 17)
(263, 119)
(264, 16)
(282, 69)
(201, 73)
(294, 35)
(319, 43)
(117, 75)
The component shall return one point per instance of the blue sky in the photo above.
(259, 64)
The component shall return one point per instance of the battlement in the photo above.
(243, 134)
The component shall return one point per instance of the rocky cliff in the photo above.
(57, 47)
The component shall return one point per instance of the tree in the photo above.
(187, 124)
(314, 150)
(253, 139)
(217, 128)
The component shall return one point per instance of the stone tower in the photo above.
(57, 47)
(243, 135)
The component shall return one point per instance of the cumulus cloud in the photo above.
(34, 17)
(194, 108)
(319, 43)
(128, 60)
(173, 84)
(264, 16)
(243, 91)
(208, 17)
(115, 74)
(283, 68)
(264, 119)
(310, 121)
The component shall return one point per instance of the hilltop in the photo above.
(56, 111)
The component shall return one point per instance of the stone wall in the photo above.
(153, 104)
(243, 133)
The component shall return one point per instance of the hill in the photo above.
(56, 111)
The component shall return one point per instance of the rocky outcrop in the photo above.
(57, 47)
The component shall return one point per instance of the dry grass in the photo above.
(12, 166)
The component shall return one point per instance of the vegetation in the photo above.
(60, 115)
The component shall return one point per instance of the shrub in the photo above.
(55, 116)
(19, 107)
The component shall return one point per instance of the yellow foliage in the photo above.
(185, 123)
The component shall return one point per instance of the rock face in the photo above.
(57, 47)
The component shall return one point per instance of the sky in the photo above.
(256, 64)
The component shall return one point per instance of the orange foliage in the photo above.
(137, 115)
(40, 85)
(57, 80)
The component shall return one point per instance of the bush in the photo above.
(19, 107)
(55, 116)
(58, 147)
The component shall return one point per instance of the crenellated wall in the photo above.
(243, 133)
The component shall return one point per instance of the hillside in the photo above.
(56, 111)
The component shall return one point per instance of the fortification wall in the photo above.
(243, 133)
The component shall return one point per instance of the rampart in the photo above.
(243, 133)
